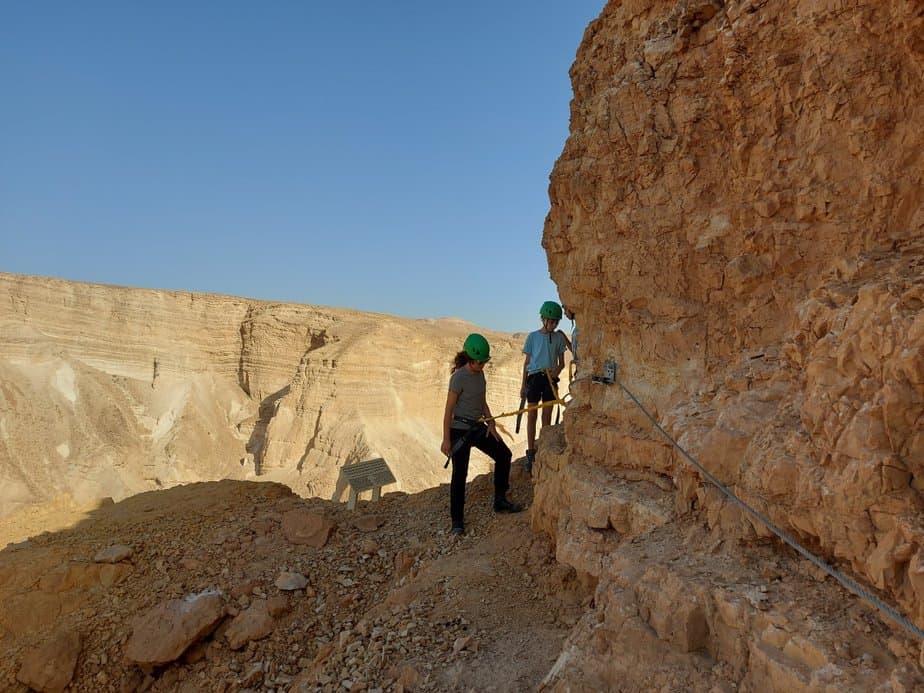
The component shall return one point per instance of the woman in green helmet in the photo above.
(466, 405)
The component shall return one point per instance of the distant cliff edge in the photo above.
(109, 391)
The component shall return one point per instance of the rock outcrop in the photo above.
(738, 220)
(108, 391)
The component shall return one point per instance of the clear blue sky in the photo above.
(383, 156)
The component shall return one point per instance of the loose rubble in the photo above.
(222, 594)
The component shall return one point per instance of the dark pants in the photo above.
(538, 388)
(496, 449)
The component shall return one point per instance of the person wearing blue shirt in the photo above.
(545, 360)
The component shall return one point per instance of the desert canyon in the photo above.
(109, 391)
(737, 218)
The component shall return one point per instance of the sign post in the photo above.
(363, 476)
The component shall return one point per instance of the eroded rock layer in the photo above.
(109, 391)
(737, 220)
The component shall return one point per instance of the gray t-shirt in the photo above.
(471, 389)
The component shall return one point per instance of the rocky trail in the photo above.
(243, 586)
(292, 594)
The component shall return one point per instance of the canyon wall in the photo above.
(737, 220)
(109, 391)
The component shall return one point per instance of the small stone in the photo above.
(368, 546)
(132, 681)
(408, 678)
(291, 581)
(897, 647)
(278, 605)
(253, 624)
(113, 554)
(368, 523)
(242, 588)
(253, 675)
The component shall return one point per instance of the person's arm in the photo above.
(567, 341)
(560, 358)
(451, 399)
(561, 364)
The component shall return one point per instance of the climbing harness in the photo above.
(609, 377)
(475, 423)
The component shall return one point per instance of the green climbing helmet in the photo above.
(477, 347)
(550, 310)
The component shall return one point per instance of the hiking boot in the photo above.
(530, 459)
(503, 505)
(458, 529)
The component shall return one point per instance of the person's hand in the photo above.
(445, 446)
(523, 391)
(492, 430)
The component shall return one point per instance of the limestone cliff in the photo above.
(109, 391)
(737, 219)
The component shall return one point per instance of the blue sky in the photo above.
(390, 157)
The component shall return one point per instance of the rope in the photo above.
(833, 572)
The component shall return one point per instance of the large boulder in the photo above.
(166, 631)
(50, 666)
(307, 528)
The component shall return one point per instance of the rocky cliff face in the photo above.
(108, 391)
(737, 219)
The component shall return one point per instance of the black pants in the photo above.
(496, 449)
(538, 388)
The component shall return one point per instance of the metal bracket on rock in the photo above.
(609, 373)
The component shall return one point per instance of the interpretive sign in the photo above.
(363, 476)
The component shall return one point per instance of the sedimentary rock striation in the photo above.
(109, 391)
(737, 219)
